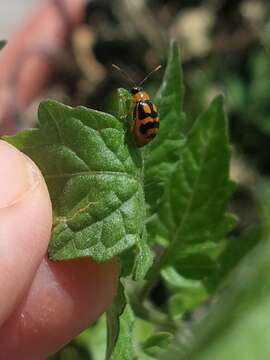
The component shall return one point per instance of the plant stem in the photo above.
(154, 273)
(152, 277)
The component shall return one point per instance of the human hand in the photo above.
(43, 304)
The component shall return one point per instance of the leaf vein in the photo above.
(187, 211)
(89, 173)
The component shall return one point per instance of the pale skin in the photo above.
(43, 304)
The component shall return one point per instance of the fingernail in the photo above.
(18, 175)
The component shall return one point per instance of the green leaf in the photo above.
(125, 107)
(182, 302)
(185, 295)
(193, 209)
(94, 182)
(170, 100)
(163, 152)
(176, 282)
(143, 259)
(196, 267)
(120, 323)
(237, 326)
(143, 329)
(208, 248)
(113, 320)
(156, 343)
(236, 248)
(124, 345)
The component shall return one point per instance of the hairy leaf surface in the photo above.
(94, 183)
(195, 201)
(162, 154)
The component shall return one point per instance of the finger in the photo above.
(25, 225)
(63, 300)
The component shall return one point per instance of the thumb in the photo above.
(25, 225)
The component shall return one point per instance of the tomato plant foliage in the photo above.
(113, 199)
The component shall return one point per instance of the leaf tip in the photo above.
(174, 49)
(219, 100)
(48, 102)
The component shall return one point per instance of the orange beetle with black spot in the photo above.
(146, 119)
(145, 113)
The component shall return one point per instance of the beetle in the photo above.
(145, 112)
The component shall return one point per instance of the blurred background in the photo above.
(13, 15)
(225, 48)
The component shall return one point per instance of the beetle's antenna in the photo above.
(151, 72)
(124, 74)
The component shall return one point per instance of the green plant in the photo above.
(170, 198)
